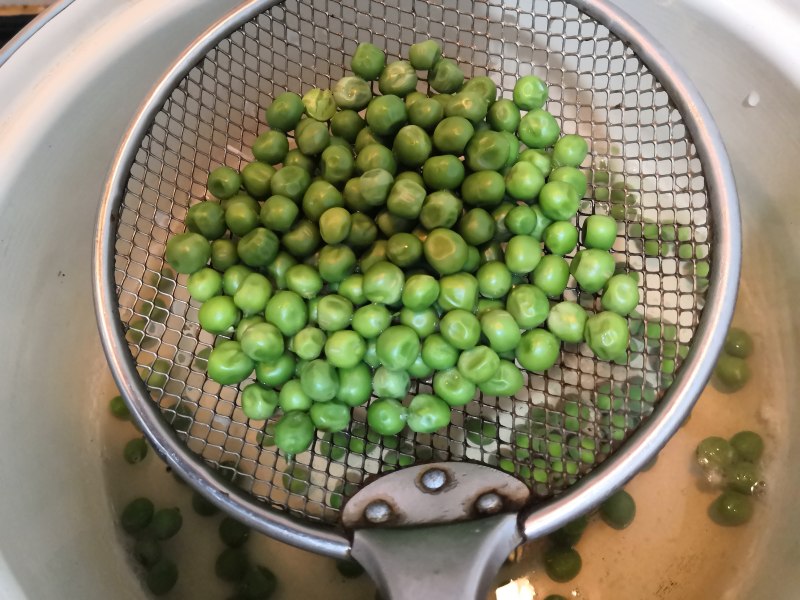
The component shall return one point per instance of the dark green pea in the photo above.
(551, 275)
(375, 186)
(386, 114)
(470, 106)
(363, 231)
(440, 210)
(376, 156)
(412, 146)
(256, 178)
(161, 577)
(438, 353)
(572, 176)
(258, 248)
(562, 564)
(732, 372)
(570, 151)
(459, 290)
(738, 343)
(714, 453)
(354, 385)
(223, 254)
(504, 115)
(491, 252)
(420, 292)
(319, 197)
(302, 240)
(442, 99)
(444, 172)
(390, 384)
(405, 199)
(426, 113)
(528, 305)
(446, 76)
(224, 182)
(452, 135)
(187, 252)
(507, 381)
(524, 181)
(487, 151)
(135, 451)
(346, 124)
(398, 347)
(319, 104)
(353, 199)
(166, 523)
(233, 533)
(207, 219)
(731, 509)
(424, 55)
(494, 279)
(620, 295)
(748, 445)
(398, 78)
(147, 551)
(541, 158)
(232, 563)
(460, 329)
(352, 93)
(427, 413)
(137, 515)
(412, 98)
(279, 213)
(453, 387)
(336, 165)
(271, 147)
(375, 254)
(499, 214)
(473, 260)
(334, 312)
(285, 112)
(530, 93)
(483, 189)
(387, 416)
(203, 507)
(607, 335)
(352, 288)
(477, 226)
(592, 269)
(403, 249)
(290, 181)
(366, 137)
(744, 477)
(538, 129)
(119, 409)
(295, 158)
(371, 320)
(368, 61)
(520, 220)
(277, 372)
(258, 582)
(445, 251)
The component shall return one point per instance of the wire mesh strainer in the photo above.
(572, 435)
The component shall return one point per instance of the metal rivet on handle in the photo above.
(378, 511)
(489, 503)
(433, 480)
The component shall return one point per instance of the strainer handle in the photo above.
(457, 561)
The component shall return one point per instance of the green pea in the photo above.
(440, 210)
(558, 200)
(334, 312)
(551, 275)
(445, 251)
(607, 335)
(279, 213)
(302, 239)
(319, 104)
(423, 322)
(367, 137)
(542, 222)
(487, 151)
(223, 254)
(473, 260)
(538, 350)
(504, 115)
(459, 290)
(494, 280)
(541, 158)
(386, 114)
(468, 105)
(592, 268)
(460, 329)
(345, 349)
(135, 451)
(371, 320)
(218, 314)
(618, 510)
(304, 281)
(744, 477)
(119, 409)
(258, 248)
(258, 402)
(147, 551)
(287, 311)
(232, 564)
(748, 445)
(453, 387)
(319, 380)
(420, 292)
(271, 147)
(330, 416)
(412, 146)
(234, 277)
(738, 343)
(438, 353)
(483, 188)
(570, 151)
(224, 182)
(446, 76)
(387, 416)
(375, 254)
(412, 98)
(732, 372)
(207, 219)
(295, 158)
(530, 93)
(137, 515)
(166, 523)
(276, 372)
(336, 165)
(368, 61)
(256, 178)
(383, 283)
(375, 186)
(405, 199)
(506, 381)
(562, 564)
(538, 129)
(363, 231)
(522, 254)
(346, 124)
(277, 269)
(483, 86)
(262, 342)
(390, 384)
(320, 197)
(524, 181)
(427, 413)
(478, 364)
(308, 343)
(352, 93)
(731, 509)
(403, 249)
(714, 453)
(426, 113)
(560, 237)
(291, 182)
(398, 78)
(203, 507)
(161, 577)
(355, 385)
(424, 55)
(572, 176)
(376, 156)
(500, 329)
(204, 284)
(398, 347)
(477, 226)
(444, 172)
(285, 111)
(233, 533)
(258, 582)
(352, 288)
(419, 369)
(520, 220)
(253, 294)
(188, 252)
(528, 305)
(621, 295)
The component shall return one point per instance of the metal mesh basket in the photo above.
(643, 168)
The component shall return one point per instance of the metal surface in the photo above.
(447, 562)
(471, 490)
(656, 163)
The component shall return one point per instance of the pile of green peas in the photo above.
(733, 466)
(405, 236)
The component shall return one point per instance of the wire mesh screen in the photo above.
(642, 169)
